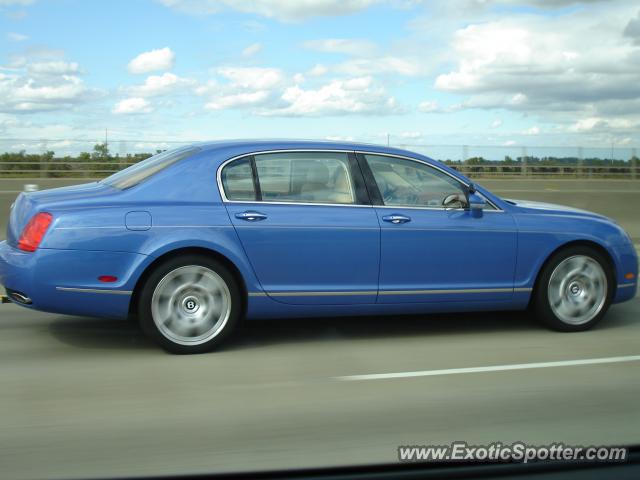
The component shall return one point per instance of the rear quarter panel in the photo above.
(185, 210)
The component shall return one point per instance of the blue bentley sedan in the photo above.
(193, 240)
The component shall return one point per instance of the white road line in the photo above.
(493, 368)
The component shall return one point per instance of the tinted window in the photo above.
(407, 183)
(305, 177)
(135, 174)
(237, 180)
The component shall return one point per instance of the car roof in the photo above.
(240, 147)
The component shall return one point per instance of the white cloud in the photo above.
(252, 50)
(154, 60)
(355, 47)
(385, 64)
(209, 87)
(429, 106)
(599, 124)
(255, 78)
(339, 138)
(156, 85)
(411, 135)
(284, 10)
(58, 67)
(132, 105)
(42, 86)
(496, 123)
(243, 99)
(31, 91)
(318, 70)
(17, 37)
(532, 131)
(339, 97)
(632, 30)
(578, 62)
(242, 87)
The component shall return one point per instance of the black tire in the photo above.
(542, 303)
(176, 310)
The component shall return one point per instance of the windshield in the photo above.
(135, 174)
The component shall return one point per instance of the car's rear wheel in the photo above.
(574, 290)
(189, 304)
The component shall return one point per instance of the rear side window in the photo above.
(141, 171)
(237, 180)
(305, 177)
(296, 177)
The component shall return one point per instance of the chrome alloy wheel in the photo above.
(191, 305)
(577, 289)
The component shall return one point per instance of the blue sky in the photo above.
(490, 72)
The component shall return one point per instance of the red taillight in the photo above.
(34, 231)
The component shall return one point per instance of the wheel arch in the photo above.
(601, 249)
(177, 252)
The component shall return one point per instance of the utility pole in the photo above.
(106, 138)
(611, 152)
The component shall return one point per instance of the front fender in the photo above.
(539, 236)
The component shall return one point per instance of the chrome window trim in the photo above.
(326, 150)
(223, 194)
(356, 205)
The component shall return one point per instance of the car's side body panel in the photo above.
(303, 260)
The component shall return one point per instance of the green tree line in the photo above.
(98, 163)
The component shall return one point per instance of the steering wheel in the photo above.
(454, 200)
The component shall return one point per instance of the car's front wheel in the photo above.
(574, 289)
(189, 304)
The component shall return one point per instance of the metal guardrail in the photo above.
(60, 169)
(563, 171)
(93, 169)
(84, 158)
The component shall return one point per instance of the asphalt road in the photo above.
(84, 398)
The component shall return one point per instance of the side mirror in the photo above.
(476, 204)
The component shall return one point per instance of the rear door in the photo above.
(307, 227)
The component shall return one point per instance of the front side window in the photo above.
(411, 184)
(305, 177)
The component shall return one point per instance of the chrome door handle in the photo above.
(251, 216)
(395, 218)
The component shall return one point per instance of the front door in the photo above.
(430, 253)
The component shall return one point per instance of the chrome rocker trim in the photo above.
(390, 292)
(94, 290)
